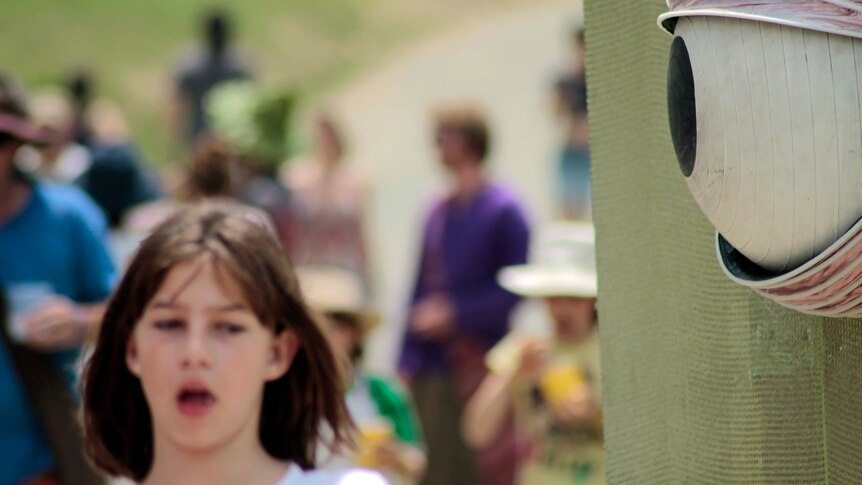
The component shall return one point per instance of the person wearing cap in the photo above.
(390, 437)
(63, 159)
(458, 311)
(55, 272)
(109, 167)
(551, 383)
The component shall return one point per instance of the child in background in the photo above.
(389, 438)
(208, 368)
(552, 385)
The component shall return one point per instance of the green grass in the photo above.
(306, 45)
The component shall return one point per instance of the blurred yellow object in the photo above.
(371, 437)
(558, 382)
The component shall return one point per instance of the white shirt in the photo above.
(344, 476)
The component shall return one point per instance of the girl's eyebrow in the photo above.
(165, 304)
(229, 307)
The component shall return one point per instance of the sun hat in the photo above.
(562, 263)
(842, 17)
(14, 117)
(331, 289)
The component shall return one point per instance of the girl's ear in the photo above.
(284, 348)
(132, 362)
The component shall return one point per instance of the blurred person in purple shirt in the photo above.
(457, 310)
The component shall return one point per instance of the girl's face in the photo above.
(203, 357)
(573, 316)
(345, 337)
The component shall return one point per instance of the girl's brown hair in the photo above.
(295, 407)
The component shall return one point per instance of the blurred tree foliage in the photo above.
(132, 46)
(256, 123)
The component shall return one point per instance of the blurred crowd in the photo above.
(474, 399)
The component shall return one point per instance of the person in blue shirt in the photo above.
(55, 272)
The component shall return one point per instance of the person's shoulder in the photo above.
(68, 203)
(299, 174)
(66, 199)
(187, 62)
(238, 59)
(343, 476)
(145, 217)
(351, 476)
(502, 193)
(504, 199)
(434, 205)
(189, 59)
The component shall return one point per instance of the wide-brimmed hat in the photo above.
(562, 263)
(14, 119)
(843, 17)
(334, 290)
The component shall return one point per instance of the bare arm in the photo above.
(486, 412)
(63, 324)
(404, 459)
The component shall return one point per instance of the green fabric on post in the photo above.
(704, 382)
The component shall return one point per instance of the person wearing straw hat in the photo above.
(551, 385)
(389, 434)
(55, 272)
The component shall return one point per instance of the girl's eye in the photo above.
(230, 328)
(169, 324)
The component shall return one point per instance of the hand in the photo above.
(579, 408)
(405, 460)
(57, 325)
(387, 456)
(433, 318)
(533, 356)
(405, 377)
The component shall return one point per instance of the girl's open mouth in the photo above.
(195, 400)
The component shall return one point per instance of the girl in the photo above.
(208, 367)
(551, 385)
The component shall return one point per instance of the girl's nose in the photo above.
(196, 349)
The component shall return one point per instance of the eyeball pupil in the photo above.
(681, 109)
